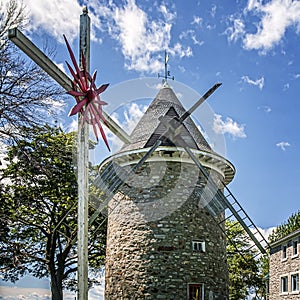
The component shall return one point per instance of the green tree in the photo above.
(38, 216)
(246, 271)
(27, 94)
(292, 224)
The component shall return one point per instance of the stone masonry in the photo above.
(153, 259)
(285, 266)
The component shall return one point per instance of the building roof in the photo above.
(286, 238)
(153, 123)
(149, 128)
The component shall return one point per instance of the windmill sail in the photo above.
(220, 201)
(112, 178)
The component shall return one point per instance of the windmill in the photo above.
(171, 138)
(117, 176)
(221, 201)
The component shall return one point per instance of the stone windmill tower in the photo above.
(166, 205)
(162, 242)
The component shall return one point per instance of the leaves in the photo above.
(27, 96)
(246, 272)
(292, 224)
(38, 194)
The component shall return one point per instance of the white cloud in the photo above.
(228, 126)
(10, 293)
(286, 86)
(213, 10)
(96, 293)
(253, 4)
(61, 66)
(73, 126)
(236, 31)
(128, 119)
(258, 82)
(205, 135)
(133, 115)
(197, 20)
(265, 108)
(55, 17)
(266, 231)
(190, 34)
(54, 106)
(155, 87)
(141, 37)
(277, 16)
(181, 51)
(283, 145)
(131, 21)
(15, 292)
(169, 16)
(181, 69)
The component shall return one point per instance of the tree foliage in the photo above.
(246, 272)
(27, 94)
(292, 224)
(38, 216)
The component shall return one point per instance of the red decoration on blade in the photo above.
(87, 96)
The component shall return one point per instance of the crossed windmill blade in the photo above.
(113, 178)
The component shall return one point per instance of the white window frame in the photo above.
(293, 290)
(198, 246)
(287, 284)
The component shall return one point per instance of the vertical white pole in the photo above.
(83, 149)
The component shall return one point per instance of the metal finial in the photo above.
(167, 73)
(85, 10)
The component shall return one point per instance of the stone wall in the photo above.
(152, 223)
(280, 266)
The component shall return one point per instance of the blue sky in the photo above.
(250, 46)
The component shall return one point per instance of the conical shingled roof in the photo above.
(149, 128)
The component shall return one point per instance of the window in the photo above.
(284, 248)
(295, 248)
(195, 291)
(198, 246)
(284, 284)
(295, 282)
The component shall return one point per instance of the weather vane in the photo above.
(167, 73)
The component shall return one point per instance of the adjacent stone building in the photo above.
(161, 242)
(285, 268)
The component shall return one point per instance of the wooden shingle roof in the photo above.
(149, 128)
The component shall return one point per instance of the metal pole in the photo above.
(83, 149)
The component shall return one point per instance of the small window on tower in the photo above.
(195, 291)
(198, 246)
